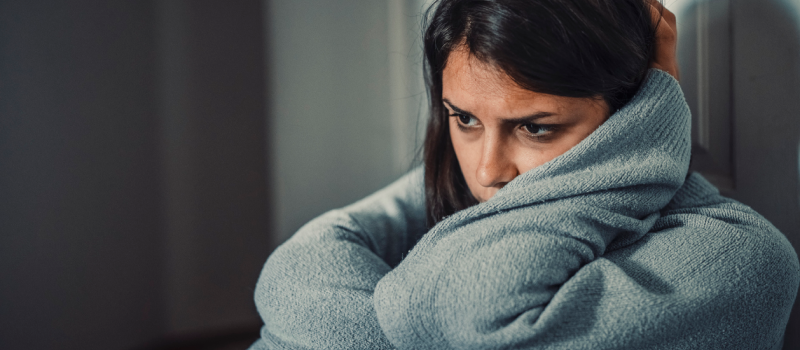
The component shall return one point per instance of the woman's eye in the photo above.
(466, 120)
(536, 129)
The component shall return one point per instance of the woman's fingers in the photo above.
(666, 39)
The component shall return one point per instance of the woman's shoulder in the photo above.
(717, 220)
(387, 222)
(399, 205)
(719, 258)
(405, 195)
(729, 235)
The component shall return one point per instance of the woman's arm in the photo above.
(484, 277)
(711, 274)
(315, 291)
(584, 253)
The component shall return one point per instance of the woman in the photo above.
(554, 210)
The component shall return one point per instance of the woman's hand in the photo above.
(664, 55)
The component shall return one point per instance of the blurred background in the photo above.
(153, 153)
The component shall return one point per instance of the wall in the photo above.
(145, 147)
(133, 199)
(214, 159)
(345, 95)
(80, 223)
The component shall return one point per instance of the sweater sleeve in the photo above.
(712, 274)
(315, 290)
(484, 277)
(580, 253)
(488, 284)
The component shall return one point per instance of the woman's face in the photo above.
(500, 130)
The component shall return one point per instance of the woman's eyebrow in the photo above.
(456, 109)
(528, 118)
(521, 120)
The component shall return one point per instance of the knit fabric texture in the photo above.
(608, 246)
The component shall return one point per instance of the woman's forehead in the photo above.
(484, 90)
(464, 71)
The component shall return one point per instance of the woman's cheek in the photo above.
(468, 156)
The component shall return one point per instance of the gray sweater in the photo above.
(608, 246)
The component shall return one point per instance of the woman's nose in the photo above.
(496, 167)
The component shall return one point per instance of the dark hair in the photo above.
(574, 48)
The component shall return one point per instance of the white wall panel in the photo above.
(343, 102)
